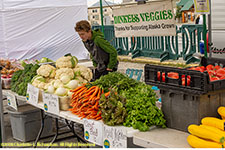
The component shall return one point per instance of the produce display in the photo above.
(66, 75)
(85, 102)
(7, 68)
(214, 72)
(21, 78)
(117, 99)
(210, 134)
(141, 109)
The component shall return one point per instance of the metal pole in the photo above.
(210, 29)
(2, 114)
(204, 35)
(101, 11)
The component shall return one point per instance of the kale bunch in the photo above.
(21, 78)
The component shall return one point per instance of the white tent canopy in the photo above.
(32, 29)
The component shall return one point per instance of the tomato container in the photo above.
(186, 101)
(198, 83)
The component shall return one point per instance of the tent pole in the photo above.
(204, 34)
(210, 29)
(101, 11)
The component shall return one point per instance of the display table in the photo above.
(154, 138)
(161, 138)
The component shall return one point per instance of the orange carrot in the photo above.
(95, 92)
(107, 94)
(96, 105)
(74, 90)
(98, 118)
(81, 89)
(91, 88)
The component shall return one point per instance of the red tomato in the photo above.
(203, 68)
(220, 72)
(183, 76)
(217, 67)
(213, 78)
(188, 81)
(4, 76)
(163, 76)
(223, 77)
(209, 67)
(192, 68)
(211, 72)
(173, 75)
(9, 76)
(197, 68)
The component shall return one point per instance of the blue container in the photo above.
(201, 47)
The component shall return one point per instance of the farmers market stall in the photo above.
(115, 108)
(46, 78)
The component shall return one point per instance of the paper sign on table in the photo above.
(32, 94)
(11, 100)
(114, 137)
(93, 131)
(51, 103)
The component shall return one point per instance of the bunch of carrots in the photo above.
(85, 102)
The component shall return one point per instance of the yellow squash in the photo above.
(214, 129)
(221, 111)
(204, 133)
(214, 122)
(196, 142)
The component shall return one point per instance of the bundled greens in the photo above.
(141, 108)
(114, 80)
(113, 108)
(140, 102)
(21, 78)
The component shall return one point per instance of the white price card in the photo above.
(11, 100)
(32, 94)
(114, 137)
(51, 103)
(93, 131)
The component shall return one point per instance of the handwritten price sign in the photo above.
(114, 137)
(93, 131)
(32, 94)
(11, 100)
(51, 103)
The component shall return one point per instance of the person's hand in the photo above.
(109, 69)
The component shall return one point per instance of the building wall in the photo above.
(94, 15)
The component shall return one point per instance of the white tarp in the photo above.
(32, 29)
(21, 4)
(150, 19)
